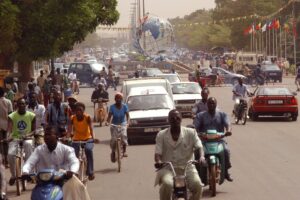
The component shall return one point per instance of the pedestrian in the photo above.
(297, 79)
(5, 109)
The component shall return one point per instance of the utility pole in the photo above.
(144, 44)
(294, 27)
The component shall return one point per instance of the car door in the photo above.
(87, 73)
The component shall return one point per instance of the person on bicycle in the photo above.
(20, 124)
(57, 114)
(240, 91)
(81, 129)
(177, 144)
(297, 79)
(110, 78)
(215, 120)
(118, 115)
(100, 93)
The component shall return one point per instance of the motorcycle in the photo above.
(214, 170)
(49, 185)
(240, 113)
(180, 189)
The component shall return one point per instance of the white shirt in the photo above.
(63, 157)
(72, 76)
(241, 90)
(39, 112)
(5, 108)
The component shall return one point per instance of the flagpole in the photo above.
(285, 44)
(294, 27)
(273, 44)
(280, 42)
(266, 42)
(269, 42)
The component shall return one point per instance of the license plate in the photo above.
(275, 102)
(147, 130)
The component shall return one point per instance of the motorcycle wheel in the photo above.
(244, 118)
(212, 180)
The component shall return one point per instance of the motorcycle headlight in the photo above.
(179, 181)
(133, 122)
(45, 176)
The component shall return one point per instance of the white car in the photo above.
(172, 78)
(185, 95)
(149, 109)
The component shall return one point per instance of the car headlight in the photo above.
(133, 122)
(45, 176)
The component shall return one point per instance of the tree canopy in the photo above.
(35, 29)
(229, 34)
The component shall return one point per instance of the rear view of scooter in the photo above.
(213, 172)
(240, 113)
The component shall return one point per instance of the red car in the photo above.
(275, 101)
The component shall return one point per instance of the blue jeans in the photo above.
(89, 155)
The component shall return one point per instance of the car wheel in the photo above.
(253, 116)
(294, 117)
(280, 80)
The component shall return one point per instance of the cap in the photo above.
(72, 97)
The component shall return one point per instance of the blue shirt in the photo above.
(205, 121)
(118, 115)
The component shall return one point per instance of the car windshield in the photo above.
(171, 78)
(274, 91)
(154, 71)
(270, 67)
(149, 102)
(186, 88)
(97, 67)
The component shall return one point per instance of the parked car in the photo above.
(146, 72)
(86, 72)
(272, 72)
(149, 108)
(274, 101)
(128, 84)
(172, 78)
(185, 95)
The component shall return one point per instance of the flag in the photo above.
(286, 27)
(252, 29)
(277, 24)
(258, 26)
(295, 27)
(271, 24)
(264, 28)
(248, 30)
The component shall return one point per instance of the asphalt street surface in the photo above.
(264, 156)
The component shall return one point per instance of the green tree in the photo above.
(48, 28)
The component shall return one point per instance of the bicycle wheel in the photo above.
(81, 170)
(118, 154)
(18, 175)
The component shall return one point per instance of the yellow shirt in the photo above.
(81, 128)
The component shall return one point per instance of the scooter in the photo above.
(214, 171)
(180, 189)
(49, 185)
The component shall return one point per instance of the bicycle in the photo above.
(82, 161)
(19, 162)
(118, 145)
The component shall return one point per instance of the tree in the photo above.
(48, 28)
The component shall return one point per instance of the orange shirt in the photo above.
(81, 128)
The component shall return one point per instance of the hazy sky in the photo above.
(163, 8)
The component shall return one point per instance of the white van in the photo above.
(250, 58)
(128, 84)
(149, 108)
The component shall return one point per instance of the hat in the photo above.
(72, 97)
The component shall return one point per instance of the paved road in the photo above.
(264, 156)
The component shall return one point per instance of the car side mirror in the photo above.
(294, 93)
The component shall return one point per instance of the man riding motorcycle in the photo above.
(214, 120)
(177, 144)
(239, 92)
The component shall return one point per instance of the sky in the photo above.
(163, 8)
